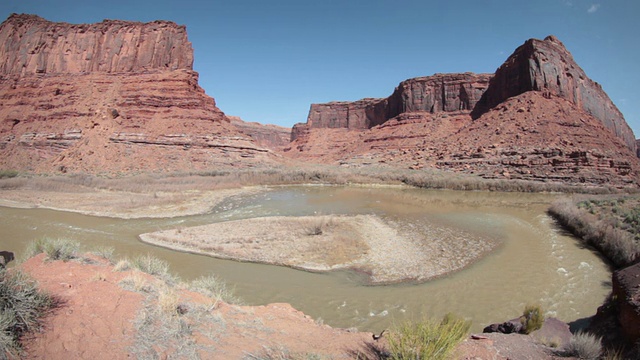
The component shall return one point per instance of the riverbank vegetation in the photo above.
(312, 174)
(610, 224)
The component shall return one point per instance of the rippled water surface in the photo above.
(535, 263)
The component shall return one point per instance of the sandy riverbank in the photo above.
(384, 251)
(124, 205)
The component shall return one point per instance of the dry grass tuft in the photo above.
(56, 249)
(21, 307)
(428, 339)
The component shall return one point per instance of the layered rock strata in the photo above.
(109, 97)
(504, 126)
(437, 93)
(547, 66)
(33, 45)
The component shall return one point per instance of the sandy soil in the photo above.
(364, 243)
(102, 318)
(125, 205)
(107, 314)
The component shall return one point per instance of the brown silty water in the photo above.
(535, 261)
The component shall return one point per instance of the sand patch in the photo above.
(121, 204)
(386, 252)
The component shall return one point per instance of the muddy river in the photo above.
(535, 262)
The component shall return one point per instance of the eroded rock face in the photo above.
(547, 66)
(437, 93)
(626, 291)
(539, 118)
(109, 97)
(33, 45)
(268, 136)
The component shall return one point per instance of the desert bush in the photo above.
(7, 174)
(585, 346)
(122, 265)
(317, 225)
(532, 318)
(21, 307)
(213, 287)
(150, 265)
(56, 249)
(105, 252)
(427, 339)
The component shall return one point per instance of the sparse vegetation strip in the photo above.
(610, 224)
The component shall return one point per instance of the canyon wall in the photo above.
(547, 66)
(33, 45)
(110, 97)
(538, 65)
(437, 93)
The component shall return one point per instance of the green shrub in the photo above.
(56, 249)
(21, 306)
(585, 346)
(532, 318)
(428, 339)
(7, 174)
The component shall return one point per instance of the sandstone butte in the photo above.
(539, 117)
(110, 97)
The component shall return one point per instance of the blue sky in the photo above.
(267, 61)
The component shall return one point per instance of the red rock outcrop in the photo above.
(445, 121)
(33, 45)
(109, 97)
(547, 66)
(269, 136)
(626, 292)
(437, 93)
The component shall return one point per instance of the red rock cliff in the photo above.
(30, 44)
(109, 97)
(437, 93)
(547, 66)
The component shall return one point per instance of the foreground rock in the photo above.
(539, 118)
(115, 96)
(626, 292)
(363, 243)
(103, 310)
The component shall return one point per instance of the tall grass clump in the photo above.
(585, 346)
(151, 265)
(428, 339)
(212, 286)
(56, 249)
(532, 318)
(21, 307)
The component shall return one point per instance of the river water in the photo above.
(535, 262)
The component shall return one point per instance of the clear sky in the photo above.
(267, 61)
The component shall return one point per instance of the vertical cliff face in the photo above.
(438, 93)
(109, 97)
(547, 66)
(434, 94)
(32, 45)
